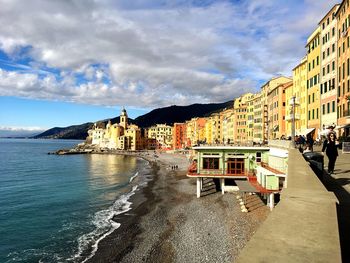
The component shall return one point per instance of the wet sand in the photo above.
(168, 223)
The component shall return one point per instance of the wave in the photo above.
(104, 226)
(133, 177)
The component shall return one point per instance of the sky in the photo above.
(74, 61)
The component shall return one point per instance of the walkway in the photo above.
(339, 183)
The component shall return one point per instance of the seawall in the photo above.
(303, 227)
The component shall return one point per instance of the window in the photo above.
(258, 157)
(333, 65)
(211, 163)
(333, 48)
(328, 107)
(333, 31)
(235, 166)
(333, 106)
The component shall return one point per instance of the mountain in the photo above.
(6, 132)
(78, 132)
(172, 114)
(168, 115)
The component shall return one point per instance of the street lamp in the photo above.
(293, 120)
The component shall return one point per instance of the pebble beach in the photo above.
(168, 223)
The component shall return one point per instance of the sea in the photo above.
(57, 208)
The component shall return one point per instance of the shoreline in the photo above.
(167, 223)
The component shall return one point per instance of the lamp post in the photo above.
(293, 120)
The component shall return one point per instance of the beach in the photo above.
(168, 223)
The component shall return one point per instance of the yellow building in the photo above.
(213, 129)
(313, 80)
(258, 119)
(240, 110)
(266, 108)
(297, 94)
(195, 131)
(162, 133)
(250, 117)
(208, 131)
(133, 138)
(228, 118)
(120, 136)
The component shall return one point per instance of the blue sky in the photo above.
(69, 62)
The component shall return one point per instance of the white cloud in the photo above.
(151, 54)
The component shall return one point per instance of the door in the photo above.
(235, 166)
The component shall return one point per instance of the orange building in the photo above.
(179, 136)
(276, 101)
(343, 90)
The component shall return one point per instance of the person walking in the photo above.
(310, 141)
(330, 145)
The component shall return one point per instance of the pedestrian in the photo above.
(330, 145)
(310, 141)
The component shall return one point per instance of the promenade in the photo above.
(311, 222)
(339, 183)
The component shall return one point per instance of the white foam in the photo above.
(133, 177)
(103, 221)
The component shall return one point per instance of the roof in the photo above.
(336, 5)
(258, 148)
(340, 6)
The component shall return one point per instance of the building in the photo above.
(228, 119)
(240, 109)
(343, 89)
(194, 131)
(313, 80)
(250, 99)
(329, 67)
(179, 136)
(119, 136)
(296, 99)
(263, 169)
(268, 124)
(258, 119)
(276, 101)
(163, 134)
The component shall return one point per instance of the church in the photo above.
(118, 136)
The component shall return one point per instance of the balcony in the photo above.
(297, 101)
(289, 117)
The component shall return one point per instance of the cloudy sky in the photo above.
(65, 62)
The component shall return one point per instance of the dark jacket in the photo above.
(330, 147)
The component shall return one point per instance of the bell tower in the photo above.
(124, 119)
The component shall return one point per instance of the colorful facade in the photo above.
(119, 136)
(179, 136)
(163, 134)
(329, 67)
(343, 89)
(313, 48)
(296, 97)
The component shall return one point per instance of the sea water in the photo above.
(57, 208)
